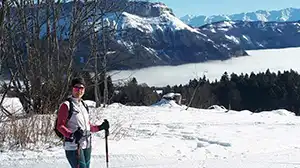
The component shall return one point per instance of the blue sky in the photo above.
(211, 7)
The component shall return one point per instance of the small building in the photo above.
(159, 92)
(173, 96)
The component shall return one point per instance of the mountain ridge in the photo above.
(283, 15)
(158, 37)
(149, 34)
(252, 35)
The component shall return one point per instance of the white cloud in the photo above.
(258, 61)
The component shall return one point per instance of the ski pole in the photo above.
(78, 155)
(78, 151)
(106, 146)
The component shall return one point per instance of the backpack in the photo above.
(59, 134)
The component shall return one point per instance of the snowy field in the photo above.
(168, 136)
(258, 61)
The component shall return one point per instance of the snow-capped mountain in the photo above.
(149, 34)
(288, 14)
(255, 35)
(165, 40)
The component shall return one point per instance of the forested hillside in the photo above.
(255, 92)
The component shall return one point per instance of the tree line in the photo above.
(255, 92)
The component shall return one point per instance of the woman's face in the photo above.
(78, 90)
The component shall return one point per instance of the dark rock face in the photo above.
(173, 48)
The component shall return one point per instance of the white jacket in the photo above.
(79, 118)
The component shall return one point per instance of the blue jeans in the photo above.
(85, 157)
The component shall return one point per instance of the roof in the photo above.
(171, 95)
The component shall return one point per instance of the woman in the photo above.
(76, 127)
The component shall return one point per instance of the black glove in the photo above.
(77, 135)
(104, 125)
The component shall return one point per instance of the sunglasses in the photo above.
(77, 88)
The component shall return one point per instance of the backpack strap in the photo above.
(72, 106)
(70, 109)
(85, 105)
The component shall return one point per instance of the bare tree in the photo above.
(2, 14)
(199, 82)
(41, 44)
(41, 39)
(95, 55)
(101, 36)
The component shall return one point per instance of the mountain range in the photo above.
(149, 34)
(253, 35)
(284, 15)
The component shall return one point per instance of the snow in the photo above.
(159, 5)
(12, 105)
(213, 30)
(288, 14)
(168, 136)
(124, 20)
(260, 44)
(178, 24)
(210, 40)
(297, 24)
(216, 107)
(166, 103)
(232, 38)
(247, 38)
(171, 95)
(150, 24)
(258, 61)
(262, 17)
(128, 44)
(142, 24)
(227, 24)
(223, 29)
(279, 30)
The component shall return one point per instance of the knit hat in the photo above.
(77, 80)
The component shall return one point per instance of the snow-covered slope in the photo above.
(288, 14)
(151, 24)
(171, 137)
(147, 19)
